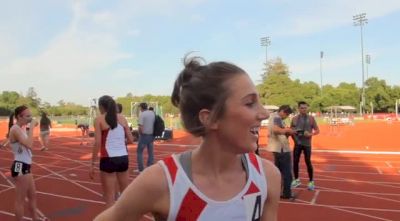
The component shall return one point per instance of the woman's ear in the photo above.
(205, 119)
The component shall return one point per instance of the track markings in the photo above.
(314, 199)
(71, 181)
(69, 154)
(13, 215)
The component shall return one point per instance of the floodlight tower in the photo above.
(265, 42)
(361, 20)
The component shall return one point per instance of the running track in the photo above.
(350, 186)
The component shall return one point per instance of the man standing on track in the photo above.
(278, 144)
(146, 137)
(305, 127)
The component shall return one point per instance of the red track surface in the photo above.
(350, 186)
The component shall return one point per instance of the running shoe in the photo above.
(296, 183)
(311, 185)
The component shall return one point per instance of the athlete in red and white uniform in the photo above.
(222, 179)
(111, 137)
(189, 203)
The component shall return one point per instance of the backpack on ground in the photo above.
(159, 126)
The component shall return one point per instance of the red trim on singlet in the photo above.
(252, 189)
(191, 207)
(172, 167)
(254, 161)
(103, 151)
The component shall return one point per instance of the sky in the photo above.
(78, 50)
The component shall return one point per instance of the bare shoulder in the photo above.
(154, 178)
(15, 132)
(99, 118)
(148, 193)
(152, 182)
(122, 119)
(270, 170)
(273, 177)
(12, 132)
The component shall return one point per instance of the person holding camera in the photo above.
(305, 127)
(278, 144)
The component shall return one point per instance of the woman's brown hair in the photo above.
(200, 87)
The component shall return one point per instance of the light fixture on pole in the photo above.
(360, 20)
(265, 42)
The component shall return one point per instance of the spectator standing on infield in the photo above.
(146, 137)
(305, 127)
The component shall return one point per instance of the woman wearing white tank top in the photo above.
(112, 135)
(226, 181)
(21, 142)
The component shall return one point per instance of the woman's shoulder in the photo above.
(148, 192)
(13, 129)
(155, 175)
(100, 119)
(121, 118)
(100, 116)
(150, 189)
(270, 170)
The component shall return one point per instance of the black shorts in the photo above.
(19, 168)
(83, 126)
(114, 164)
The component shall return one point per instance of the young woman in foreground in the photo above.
(222, 179)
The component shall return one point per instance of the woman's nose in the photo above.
(263, 114)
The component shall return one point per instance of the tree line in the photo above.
(9, 100)
(275, 88)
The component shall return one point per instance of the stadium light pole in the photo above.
(265, 42)
(320, 68)
(360, 20)
(368, 62)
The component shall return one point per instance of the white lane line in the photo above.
(326, 189)
(358, 213)
(7, 189)
(13, 215)
(71, 181)
(305, 203)
(71, 198)
(358, 152)
(61, 171)
(314, 199)
(388, 164)
(8, 181)
(26, 199)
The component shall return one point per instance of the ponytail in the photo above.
(10, 123)
(110, 107)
